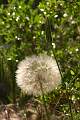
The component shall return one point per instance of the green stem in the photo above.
(43, 98)
(70, 108)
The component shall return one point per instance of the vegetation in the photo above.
(30, 27)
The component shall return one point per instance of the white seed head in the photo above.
(38, 73)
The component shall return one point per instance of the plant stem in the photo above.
(69, 102)
(70, 109)
(43, 98)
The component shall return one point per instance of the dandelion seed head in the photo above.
(38, 71)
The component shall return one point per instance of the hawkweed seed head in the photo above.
(38, 73)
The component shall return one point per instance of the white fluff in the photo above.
(38, 72)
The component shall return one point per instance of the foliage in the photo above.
(51, 26)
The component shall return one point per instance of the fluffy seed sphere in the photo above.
(38, 73)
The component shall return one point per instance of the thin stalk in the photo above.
(44, 103)
(49, 41)
(70, 108)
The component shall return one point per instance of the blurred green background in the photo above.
(30, 27)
